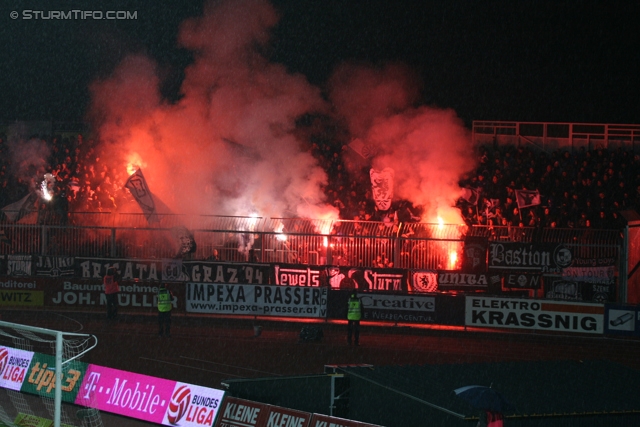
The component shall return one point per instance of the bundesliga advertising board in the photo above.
(534, 315)
(257, 300)
(14, 367)
(149, 398)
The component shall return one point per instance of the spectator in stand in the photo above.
(111, 290)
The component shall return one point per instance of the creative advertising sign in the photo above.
(245, 413)
(14, 367)
(257, 300)
(398, 308)
(532, 314)
(149, 398)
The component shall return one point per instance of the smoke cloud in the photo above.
(228, 146)
(428, 148)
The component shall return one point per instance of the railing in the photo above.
(553, 136)
(284, 240)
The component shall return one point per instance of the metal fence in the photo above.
(284, 240)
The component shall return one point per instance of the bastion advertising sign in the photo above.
(534, 314)
(147, 398)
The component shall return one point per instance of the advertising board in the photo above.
(147, 398)
(534, 314)
(256, 300)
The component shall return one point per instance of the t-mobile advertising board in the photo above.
(149, 398)
(245, 413)
(534, 314)
(257, 300)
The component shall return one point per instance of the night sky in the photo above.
(503, 60)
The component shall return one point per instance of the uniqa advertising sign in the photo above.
(149, 398)
(534, 314)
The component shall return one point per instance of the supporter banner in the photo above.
(41, 380)
(459, 281)
(147, 398)
(144, 270)
(621, 320)
(245, 413)
(422, 281)
(522, 281)
(398, 308)
(319, 420)
(559, 288)
(367, 279)
(215, 272)
(591, 270)
(54, 266)
(297, 275)
(534, 315)
(14, 367)
(474, 254)
(80, 293)
(19, 265)
(538, 257)
(257, 300)
(174, 270)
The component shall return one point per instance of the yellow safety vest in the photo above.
(355, 312)
(164, 300)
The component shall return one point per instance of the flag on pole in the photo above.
(139, 189)
(527, 198)
(23, 207)
(471, 195)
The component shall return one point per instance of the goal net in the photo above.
(30, 391)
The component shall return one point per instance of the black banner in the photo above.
(531, 257)
(298, 275)
(559, 288)
(371, 279)
(522, 281)
(19, 265)
(474, 258)
(174, 270)
(54, 266)
(459, 281)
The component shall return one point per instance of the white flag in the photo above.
(139, 189)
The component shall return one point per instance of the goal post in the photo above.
(67, 346)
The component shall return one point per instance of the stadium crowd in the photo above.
(580, 189)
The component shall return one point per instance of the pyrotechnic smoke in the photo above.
(227, 146)
(428, 148)
(28, 156)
